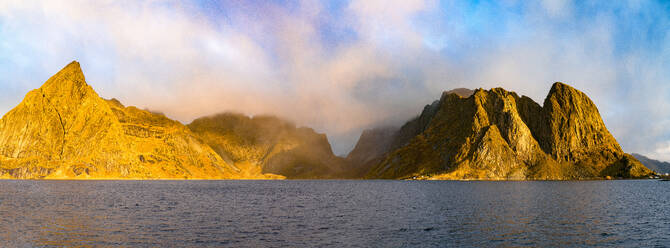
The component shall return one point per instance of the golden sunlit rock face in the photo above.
(495, 134)
(65, 130)
(270, 145)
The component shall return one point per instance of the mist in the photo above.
(341, 67)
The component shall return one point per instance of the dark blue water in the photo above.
(334, 213)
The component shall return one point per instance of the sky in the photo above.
(344, 66)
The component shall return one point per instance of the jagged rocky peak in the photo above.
(68, 87)
(575, 125)
(462, 92)
(65, 130)
(70, 77)
(52, 115)
(495, 134)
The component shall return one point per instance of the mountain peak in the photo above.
(559, 88)
(72, 69)
(65, 130)
(462, 92)
(498, 135)
(70, 78)
(74, 65)
(560, 85)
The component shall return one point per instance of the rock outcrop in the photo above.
(64, 130)
(270, 145)
(495, 134)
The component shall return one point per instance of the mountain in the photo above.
(64, 130)
(495, 134)
(373, 143)
(270, 145)
(655, 165)
(370, 147)
(462, 92)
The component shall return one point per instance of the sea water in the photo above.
(337, 213)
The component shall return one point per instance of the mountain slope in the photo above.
(65, 130)
(496, 134)
(653, 164)
(270, 145)
(372, 144)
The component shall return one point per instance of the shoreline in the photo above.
(306, 179)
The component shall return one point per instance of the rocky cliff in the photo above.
(376, 142)
(495, 134)
(270, 145)
(65, 130)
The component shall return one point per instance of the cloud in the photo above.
(343, 66)
(557, 8)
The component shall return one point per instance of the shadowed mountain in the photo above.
(495, 134)
(270, 145)
(65, 130)
(655, 165)
(373, 143)
(369, 149)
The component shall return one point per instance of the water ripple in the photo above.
(333, 213)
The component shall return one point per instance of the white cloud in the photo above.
(557, 8)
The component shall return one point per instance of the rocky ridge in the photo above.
(270, 145)
(64, 130)
(495, 134)
(373, 143)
